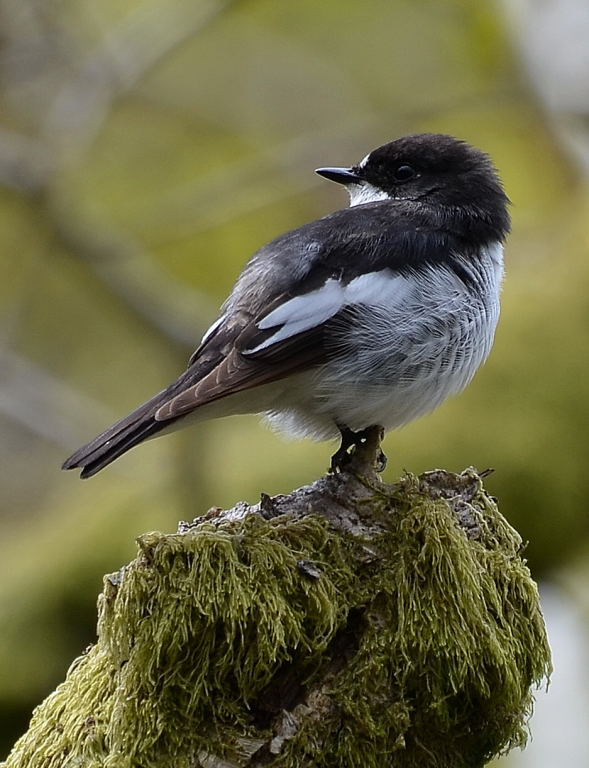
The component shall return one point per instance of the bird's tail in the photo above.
(132, 429)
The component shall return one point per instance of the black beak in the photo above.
(341, 175)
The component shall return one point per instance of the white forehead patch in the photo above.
(364, 160)
(365, 193)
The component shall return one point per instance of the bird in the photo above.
(370, 316)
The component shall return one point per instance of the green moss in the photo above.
(416, 648)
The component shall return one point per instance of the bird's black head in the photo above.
(432, 169)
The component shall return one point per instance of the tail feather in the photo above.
(101, 458)
(120, 437)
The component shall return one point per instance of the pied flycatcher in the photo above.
(372, 315)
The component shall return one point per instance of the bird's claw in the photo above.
(359, 450)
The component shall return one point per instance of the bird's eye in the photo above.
(404, 173)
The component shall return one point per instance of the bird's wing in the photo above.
(286, 339)
(269, 337)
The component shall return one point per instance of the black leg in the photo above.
(341, 457)
(369, 437)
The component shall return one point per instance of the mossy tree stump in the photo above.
(350, 623)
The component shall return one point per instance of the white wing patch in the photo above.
(302, 313)
(383, 288)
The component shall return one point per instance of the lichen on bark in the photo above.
(350, 623)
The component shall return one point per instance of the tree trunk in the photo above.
(350, 623)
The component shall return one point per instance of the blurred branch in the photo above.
(125, 55)
(179, 313)
(45, 405)
(550, 40)
(25, 164)
(250, 184)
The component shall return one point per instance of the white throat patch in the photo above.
(365, 193)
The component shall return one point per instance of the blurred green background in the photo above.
(147, 148)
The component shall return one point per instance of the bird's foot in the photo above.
(359, 451)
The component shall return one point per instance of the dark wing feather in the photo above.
(241, 369)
